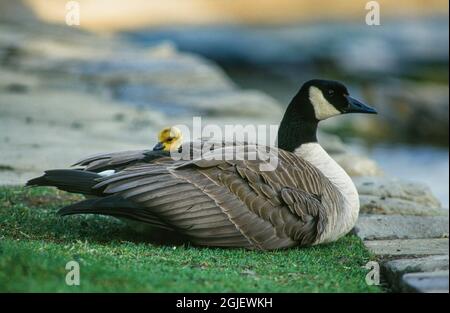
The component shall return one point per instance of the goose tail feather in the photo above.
(115, 206)
(112, 205)
(76, 181)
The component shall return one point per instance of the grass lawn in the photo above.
(36, 244)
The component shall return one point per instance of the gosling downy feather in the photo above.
(170, 139)
(308, 199)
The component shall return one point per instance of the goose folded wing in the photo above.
(118, 160)
(230, 202)
(273, 209)
(181, 205)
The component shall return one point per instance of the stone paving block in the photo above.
(386, 195)
(408, 247)
(383, 205)
(393, 270)
(429, 282)
(370, 227)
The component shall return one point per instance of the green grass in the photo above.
(35, 246)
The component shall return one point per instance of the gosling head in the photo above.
(170, 139)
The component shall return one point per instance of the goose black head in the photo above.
(316, 101)
(321, 99)
(330, 98)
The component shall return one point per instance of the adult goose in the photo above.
(307, 200)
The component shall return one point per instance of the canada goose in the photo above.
(307, 200)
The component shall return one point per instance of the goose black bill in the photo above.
(356, 106)
(159, 147)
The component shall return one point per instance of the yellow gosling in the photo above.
(170, 139)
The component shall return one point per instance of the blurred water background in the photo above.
(401, 67)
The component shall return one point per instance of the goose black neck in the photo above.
(299, 124)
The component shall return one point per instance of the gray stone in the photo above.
(384, 195)
(99, 79)
(159, 77)
(395, 269)
(370, 227)
(425, 264)
(408, 104)
(15, 11)
(331, 143)
(429, 282)
(353, 164)
(357, 165)
(390, 187)
(408, 247)
(383, 205)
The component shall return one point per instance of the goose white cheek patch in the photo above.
(322, 108)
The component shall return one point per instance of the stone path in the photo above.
(402, 227)
(408, 247)
(430, 282)
(410, 243)
(394, 271)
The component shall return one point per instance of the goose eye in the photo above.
(330, 92)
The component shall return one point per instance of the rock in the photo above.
(57, 81)
(351, 51)
(357, 165)
(331, 143)
(429, 282)
(408, 112)
(425, 264)
(376, 227)
(17, 88)
(353, 164)
(396, 188)
(74, 79)
(381, 205)
(159, 77)
(405, 105)
(383, 195)
(407, 247)
(291, 53)
(14, 11)
(230, 102)
(395, 269)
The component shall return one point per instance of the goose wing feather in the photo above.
(119, 160)
(233, 202)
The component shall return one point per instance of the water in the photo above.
(425, 164)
